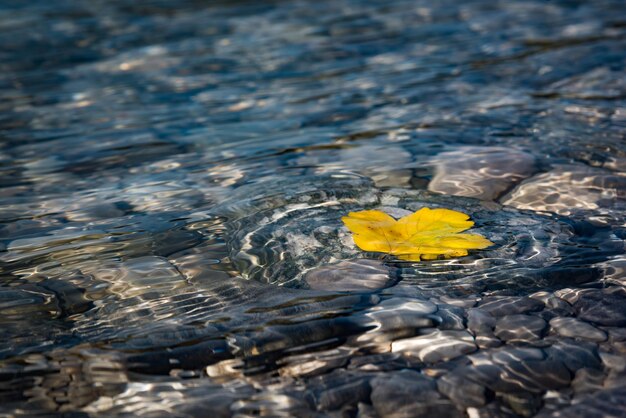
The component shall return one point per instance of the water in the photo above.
(174, 174)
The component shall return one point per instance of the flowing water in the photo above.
(173, 177)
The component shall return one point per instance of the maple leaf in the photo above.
(423, 235)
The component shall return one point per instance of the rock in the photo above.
(609, 403)
(519, 328)
(574, 328)
(436, 347)
(509, 305)
(407, 394)
(450, 317)
(462, 391)
(588, 380)
(568, 188)
(481, 172)
(603, 307)
(351, 392)
(480, 322)
(350, 275)
(524, 405)
(575, 354)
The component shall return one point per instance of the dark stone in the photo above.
(461, 390)
(520, 328)
(407, 394)
(509, 305)
(603, 307)
(350, 275)
(602, 404)
(575, 354)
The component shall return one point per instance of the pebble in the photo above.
(509, 305)
(575, 328)
(408, 393)
(436, 347)
(575, 354)
(603, 307)
(461, 390)
(567, 188)
(519, 328)
(588, 380)
(480, 172)
(350, 275)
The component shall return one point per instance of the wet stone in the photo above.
(525, 406)
(520, 328)
(350, 275)
(609, 403)
(509, 305)
(574, 328)
(480, 322)
(575, 354)
(537, 375)
(480, 172)
(588, 380)
(436, 347)
(357, 390)
(407, 394)
(603, 307)
(461, 390)
(568, 188)
(450, 318)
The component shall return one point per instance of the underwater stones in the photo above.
(408, 393)
(598, 83)
(349, 275)
(481, 324)
(396, 318)
(610, 403)
(568, 188)
(575, 354)
(481, 172)
(450, 317)
(386, 164)
(437, 346)
(603, 307)
(509, 305)
(519, 328)
(310, 364)
(461, 390)
(574, 328)
(588, 380)
(334, 397)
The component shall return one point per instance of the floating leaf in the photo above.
(423, 235)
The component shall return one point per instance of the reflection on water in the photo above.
(173, 176)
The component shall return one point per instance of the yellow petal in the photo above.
(423, 235)
(434, 220)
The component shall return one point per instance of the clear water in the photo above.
(174, 174)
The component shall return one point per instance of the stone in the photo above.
(568, 188)
(462, 391)
(603, 307)
(408, 394)
(349, 276)
(437, 346)
(575, 354)
(519, 328)
(509, 305)
(588, 380)
(575, 328)
(481, 172)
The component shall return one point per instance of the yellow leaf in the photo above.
(423, 235)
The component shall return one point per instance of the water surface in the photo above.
(173, 175)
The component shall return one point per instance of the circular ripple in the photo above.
(281, 230)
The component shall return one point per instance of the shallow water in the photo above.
(174, 174)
